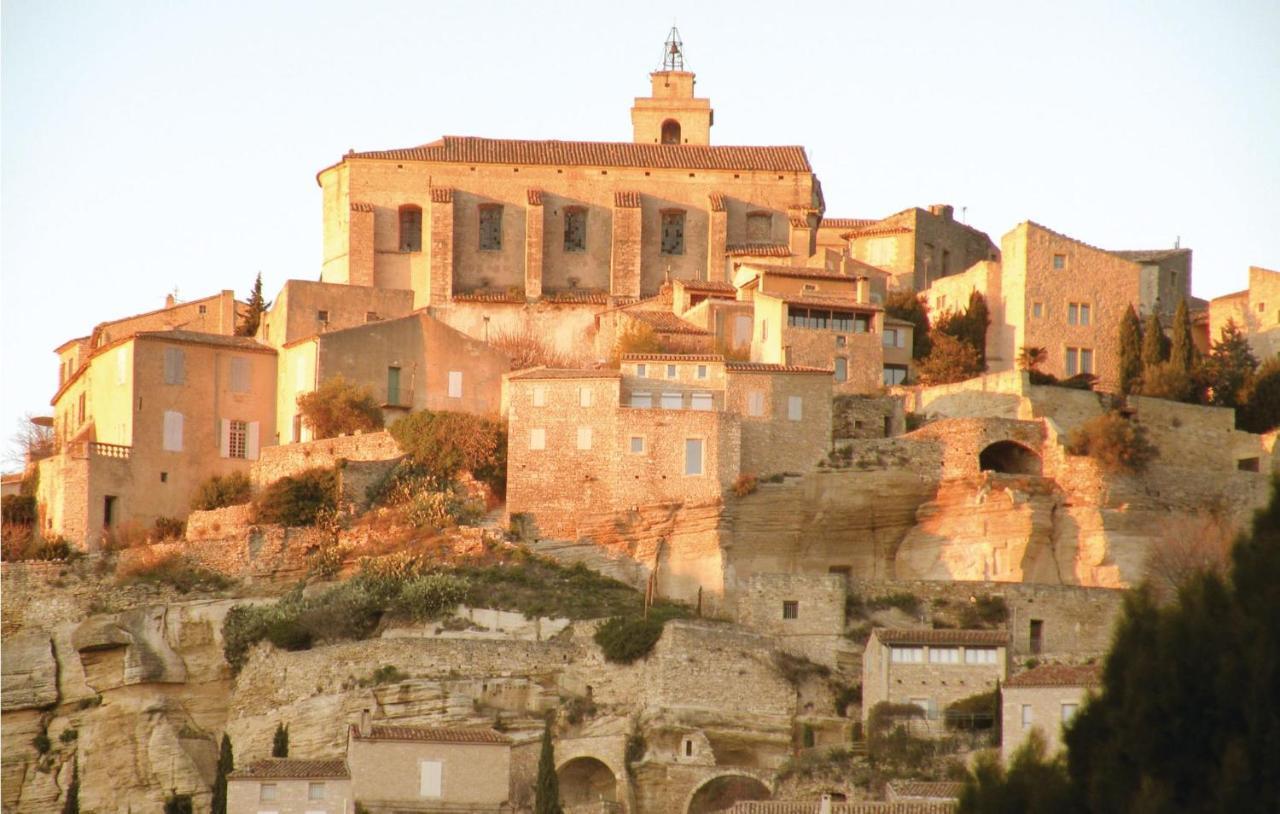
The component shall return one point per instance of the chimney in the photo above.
(864, 289)
(944, 211)
(824, 807)
(169, 301)
(365, 728)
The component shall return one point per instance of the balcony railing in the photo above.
(103, 450)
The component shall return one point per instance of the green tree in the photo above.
(340, 407)
(1261, 410)
(280, 743)
(1168, 381)
(443, 444)
(969, 326)
(1130, 351)
(1155, 345)
(547, 790)
(951, 360)
(910, 306)
(1229, 369)
(257, 307)
(226, 764)
(71, 803)
(1033, 783)
(1182, 351)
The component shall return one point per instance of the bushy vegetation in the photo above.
(18, 510)
(636, 338)
(172, 569)
(986, 611)
(1117, 444)
(18, 543)
(745, 484)
(1261, 410)
(910, 306)
(441, 445)
(169, 528)
(221, 491)
(950, 360)
(298, 500)
(338, 407)
(980, 711)
(969, 326)
(906, 602)
(624, 639)
(409, 487)
(526, 348)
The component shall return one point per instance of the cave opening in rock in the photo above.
(586, 781)
(1009, 458)
(720, 793)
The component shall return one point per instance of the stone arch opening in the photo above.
(671, 132)
(586, 781)
(720, 793)
(1010, 458)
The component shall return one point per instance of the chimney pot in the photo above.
(366, 728)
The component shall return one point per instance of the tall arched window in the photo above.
(671, 132)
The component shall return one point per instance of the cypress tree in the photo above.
(226, 764)
(910, 306)
(1155, 345)
(1182, 351)
(547, 791)
(257, 306)
(1130, 351)
(280, 744)
(978, 317)
(1230, 367)
(71, 805)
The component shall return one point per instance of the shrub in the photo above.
(851, 694)
(430, 596)
(443, 509)
(1169, 381)
(42, 743)
(951, 360)
(338, 407)
(386, 674)
(797, 669)
(298, 500)
(886, 714)
(636, 338)
(18, 543)
(1261, 410)
(168, 567)
(68, 735)
(985, 611)
(745, 485)
(910, 306)
(442, 444)
(527, 348)
(906, 602)
(221, 491)
(169, 528)
(522, 527)
(18, 510)
(579, 708)
(1117, 444)
(973, 712)
(626, 639)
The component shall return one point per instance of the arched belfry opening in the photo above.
(1010, 458)
(671, 132)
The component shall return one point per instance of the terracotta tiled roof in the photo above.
(764, 367)
(800, 272)
(360, 206)
(935, 790)
(442, 195)
(281, 768)
(432, 734)
(1149, 255)
(576, 296)
(716, 201)
(935, 636)
(707, 286)
(627, 199)
(859, 807)
(1058, 675)
(900, 323)
(475, 150)
(825, 301)
(483, 295)
(665, 322)
(758, 250)
(874, 231)
(799, 218)
(672, 357)
(564, 373)
(535, 197)
(846, 223)
(217, 340)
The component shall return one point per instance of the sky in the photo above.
(148, 147)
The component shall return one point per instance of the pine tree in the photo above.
(1182, 351)
(547, 791)
(978, 317)
(1130, 351)
(910, 306)
(226, 764)
(257, 306)
(1230, 367)
(71, 805)
(1261, 411)
(280, 744)
(1155, 345)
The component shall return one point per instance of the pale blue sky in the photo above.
(153, 145)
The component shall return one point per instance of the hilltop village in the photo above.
(634, 438)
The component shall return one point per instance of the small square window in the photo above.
(642, 371)
(584, 438)
(537, 438)
(315, 791)
(790, 609)
(637, 445)
(1037, 309)
(322, 315)
(702, 371)
(539, 397)
(585, 396)
(1068, 712)
(267, 793)
(842, 341)
(1059, 262)
(204, 309)
(671, 371)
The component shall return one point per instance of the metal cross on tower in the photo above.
(673, 52)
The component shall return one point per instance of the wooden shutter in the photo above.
(172, 431)
(224, 438)
(251, 441)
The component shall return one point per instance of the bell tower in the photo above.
(671, 114)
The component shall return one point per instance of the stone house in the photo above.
(1255, 310)
(412, 362)
(291, 786)
(305, 308)
(1044, 698)
(145, 419)
(918, 246)
(666, 427)
(931, 668)
(397, 768)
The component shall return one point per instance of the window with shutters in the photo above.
(759, 227)
(672, 401)
(491, 228)
(237, 441)
(410, 228)
(172, 431)
(537, 438)
(842, 369)
(430, 772)
(315, 791)
(673, 232)
(755, 403)
(795, 408)
(585, 396)
(175, 366)
(701, 401)
(455, 384)
(906, 655)
(693, 456)
(539, 396)
(393, 385)
(641, 399)
(584, 438)
(575, 229)
(239, 375)
(80, 409)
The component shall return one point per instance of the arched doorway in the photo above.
(584, 781)
(671, 132)
(720, 793)
(1010, 458)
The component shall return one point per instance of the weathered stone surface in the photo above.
(30, 676)
(147, 655)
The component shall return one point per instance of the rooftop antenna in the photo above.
(964, 214)
(673, 51)
(1177, 242)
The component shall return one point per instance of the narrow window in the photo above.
(1073, 361)
(164, 477)
(810, 737)
(430, 775)
(204, 309)
(491, 228)
(237, 440)
(641, 371)
(688, 747)
(946, 262)
(584, 438)
(537, 438)
(315, 791)
(759, 227)
(790, 609)
(1073, 313)
(172, 431)
(297, 428)
(410, 228)
(455, 384)
(673, 232)
(393, 385)
(693, 456)
(1037, 309)
(175, 366)
(1026, 716)
(702, 371)
(1036, 631)
(80, 409)
(755, 403)
(764, 330)
(1084, 313)
(1059, 262)
(637, 445)
(1086, 360)
(539, 396)
(1068, 712)
(700, 401)
(671, 132)
(575, 229)
(641, 399)
(795, 408)
(842, 369)
(672, 401)
(239, 375)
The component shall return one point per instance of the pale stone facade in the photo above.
(1256, 311)
(918, 247)
(931, 668)
(1044, 698)
(291, 786)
